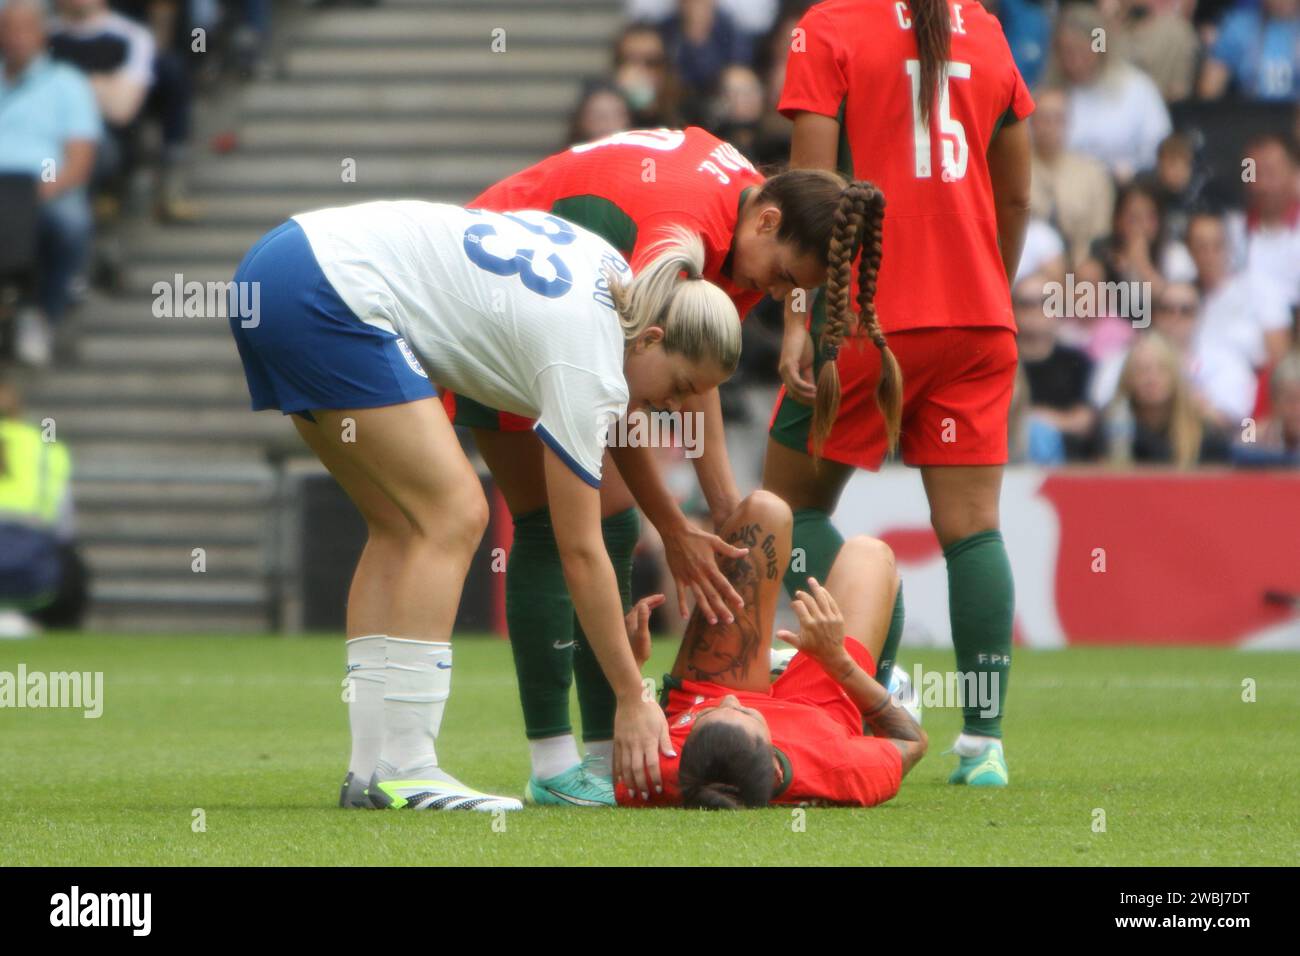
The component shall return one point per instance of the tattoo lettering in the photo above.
(722, 651)
(747, 536)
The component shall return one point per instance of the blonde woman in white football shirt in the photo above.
(362, 311)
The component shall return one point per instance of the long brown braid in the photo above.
(858, 226)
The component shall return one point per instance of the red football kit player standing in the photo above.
(923, 99)
(760, 237)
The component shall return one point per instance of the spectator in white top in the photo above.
(1116, 112)
(115, 52)
(1273, 214)
(1222, 382)
(1243, 312)
(1043, 253)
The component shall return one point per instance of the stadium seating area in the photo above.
(1165, 170)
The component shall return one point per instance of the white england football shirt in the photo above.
(512, 310)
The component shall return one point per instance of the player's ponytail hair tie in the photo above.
(699, 319)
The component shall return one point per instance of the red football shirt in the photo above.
(816, 730)
(633, 187)
(856, 61)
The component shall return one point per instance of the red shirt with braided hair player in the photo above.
(634, 189)
(922, 99)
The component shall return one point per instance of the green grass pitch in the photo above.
(253, 732)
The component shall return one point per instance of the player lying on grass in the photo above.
(520, 311)
(745, 741)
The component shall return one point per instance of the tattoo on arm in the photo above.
(895, 723)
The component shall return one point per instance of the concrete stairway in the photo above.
(168, 458)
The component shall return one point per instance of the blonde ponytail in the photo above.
(699, 319)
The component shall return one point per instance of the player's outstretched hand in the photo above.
(638, 626)
(692, 555)
(821, 625)
(796, 364)
(640, 735)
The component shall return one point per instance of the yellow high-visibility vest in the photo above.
(34, 477)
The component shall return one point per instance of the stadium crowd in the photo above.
(95, 96)
(1157, 296)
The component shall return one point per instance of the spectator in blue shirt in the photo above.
(49, 128)
(1028, 28)
(702, 40)
(1257, 52)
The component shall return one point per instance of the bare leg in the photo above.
(736, 655)
(963, 499)
(802, 482)
(515, 460)
(425, 513)
(864, 582)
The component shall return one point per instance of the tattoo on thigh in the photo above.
(722, 652)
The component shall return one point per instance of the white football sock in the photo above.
(366, 657)
(418, 683)
(602, 749)
(971, 745)
(553, 755)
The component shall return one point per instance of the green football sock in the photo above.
(539, 615)
(596, 702)
(981, 605)
(814, 546)
(888, 651)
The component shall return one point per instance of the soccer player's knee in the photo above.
(767, 509)
(460, 523)
(953, 524)
(476, 516)
(873, 552)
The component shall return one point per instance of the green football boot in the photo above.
(582, 785)
(988, 768)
